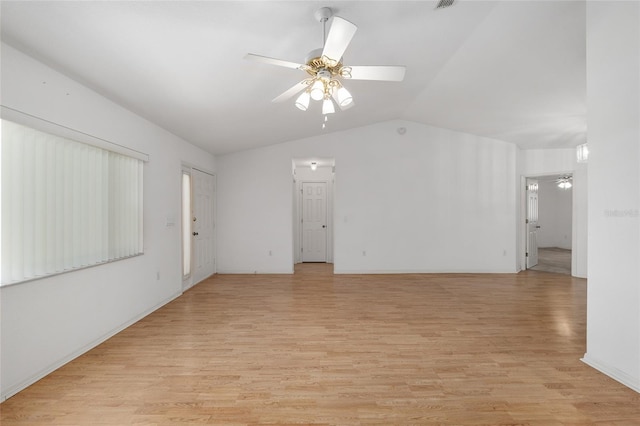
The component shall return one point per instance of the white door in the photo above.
(532, 223)
(203, 225)
(314, 221)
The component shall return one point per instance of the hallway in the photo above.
(553, 259)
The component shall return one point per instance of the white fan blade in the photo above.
(292, 91)
(339, 37)
(272, 61)
(377, 72)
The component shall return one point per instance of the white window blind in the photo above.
(65, 204)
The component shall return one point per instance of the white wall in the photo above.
(545, 162)
(430, 200)
(613, 91)
(554, 215)
(47, 322)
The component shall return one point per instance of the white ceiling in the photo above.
(510, 70)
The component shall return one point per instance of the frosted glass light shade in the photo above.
(344, 97)
(303, 101)
(582, 153)
(327, 107)
(317, 90)
(565, 184)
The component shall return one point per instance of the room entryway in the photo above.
(548, 221)
(313, 180)
(532, 223)
(198, 226)
(554, 259)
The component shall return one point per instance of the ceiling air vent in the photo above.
(444, 3)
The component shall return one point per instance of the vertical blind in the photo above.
(65, 204)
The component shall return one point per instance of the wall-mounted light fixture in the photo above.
(582, 153)
(314, 165)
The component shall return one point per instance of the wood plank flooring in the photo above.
(314, 348)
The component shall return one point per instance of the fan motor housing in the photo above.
(316, 63)
(323, 14)
(313, 55)
(324, 74)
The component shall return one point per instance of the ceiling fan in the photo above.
(564, 182)
(326, 71)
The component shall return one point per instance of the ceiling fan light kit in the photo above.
(327, 107)
(564, 182)
(318, 89)
(326, 70)
(303, 101)
(344, 97)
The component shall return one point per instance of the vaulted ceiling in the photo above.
(510, 70)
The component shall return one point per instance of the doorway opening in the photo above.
(313, 184)
(197, 226)
(548, 224)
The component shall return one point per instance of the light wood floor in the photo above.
(314, 348)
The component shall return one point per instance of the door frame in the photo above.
(301, 171)
(528, 245)
(522, 222)
(187, 281)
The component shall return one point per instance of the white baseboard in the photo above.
(14, 389)
(419, 271)
(254, 272)
(613, 372)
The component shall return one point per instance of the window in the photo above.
(65, 204)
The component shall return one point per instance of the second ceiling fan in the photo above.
(326, 70)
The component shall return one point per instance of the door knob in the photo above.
(324, 226)
(195, 233)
